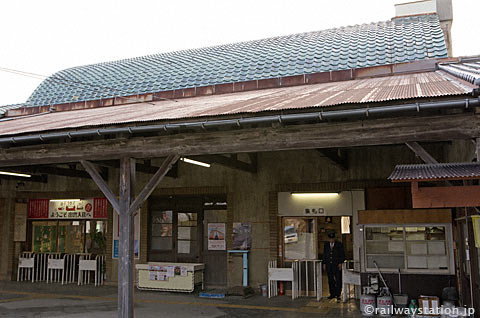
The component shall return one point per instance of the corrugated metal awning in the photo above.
(436, 172)
(370, 90)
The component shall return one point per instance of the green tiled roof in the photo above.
(396, 41)
(5, 108)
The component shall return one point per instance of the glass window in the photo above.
(44, 237)
(409, 247)
(385, 246)
(95, 239)
(426, 247)
(299, 238)
(72, 234)
(345, 220)
(162, 225)
(187, 233)
(77, 236)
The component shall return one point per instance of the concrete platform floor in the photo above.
(26, 299)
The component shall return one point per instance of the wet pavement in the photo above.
(25, 299)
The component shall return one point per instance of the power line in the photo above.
(58, 79)
(63, 81)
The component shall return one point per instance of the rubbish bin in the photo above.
(264, 290)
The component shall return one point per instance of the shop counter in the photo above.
(177, 277)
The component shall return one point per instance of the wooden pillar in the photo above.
(126, 239)
(126, 207)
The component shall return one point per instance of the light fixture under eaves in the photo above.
(15, 174)
(195, 162)
(314, 194)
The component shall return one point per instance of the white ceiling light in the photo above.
(195, 162)
(314, 194)
(14, 174)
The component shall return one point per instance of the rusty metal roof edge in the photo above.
(321, 116)
(268, 112)
(234, 87)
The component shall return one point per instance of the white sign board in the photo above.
(341, 204)
(25, 262)
(70, 209)
(20, 233)
(87, 265)
(56, 263)
(280, 274)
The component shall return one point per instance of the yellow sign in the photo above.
(476, 229)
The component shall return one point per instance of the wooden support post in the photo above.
(97, 178)
(126, 239)
(126, 207)
(153, 183)
(421, 152)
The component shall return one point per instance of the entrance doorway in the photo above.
(177, 233)
(304, 239)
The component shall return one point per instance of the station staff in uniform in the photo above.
(333, 258)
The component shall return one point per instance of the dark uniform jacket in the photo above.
(335, 255)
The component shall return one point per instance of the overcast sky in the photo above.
(50, 35)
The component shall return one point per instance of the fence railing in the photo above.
(61, 268)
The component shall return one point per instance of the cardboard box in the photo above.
(429, 305)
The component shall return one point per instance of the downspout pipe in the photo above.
(321, 116)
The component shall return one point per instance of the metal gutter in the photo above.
(321, 116)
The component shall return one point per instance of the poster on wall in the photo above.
(216, 236)
(116, 234)
(242, 236)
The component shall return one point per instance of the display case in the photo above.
(161, 276)
(412, 248)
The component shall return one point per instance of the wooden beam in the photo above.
(126, 239)
(34, 178)
(404, 216)
(421, 152)
(446, 197)
(253, 160)
(64, 172)
(334, 157)
(227, 162)
(322, 135)
(140, 167)
(153, 183)
(102, 184)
